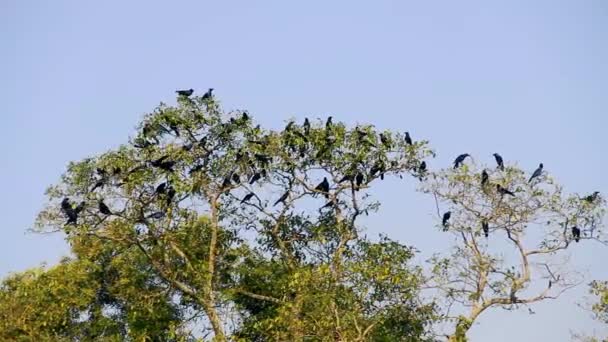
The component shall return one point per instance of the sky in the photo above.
(527, 79)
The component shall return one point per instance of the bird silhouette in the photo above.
(208, 95)
(486, 228)
(161, 188)
(504, 191)
(385, 141)
(185, 93)
(537, 172)
(499, 161)
(323, 186)
(170, 194)
(226, 183)
(247, 197)
(408, 139)
(378, 167)
(282, 198)
(103, 208)
(593, 197)
(306, 126)
(359, 179)
(245, 117)
(446, 218)
(576, 233)
(328, 123)
(236, 178)
(460, 159)
(484, 178)
(69, 211)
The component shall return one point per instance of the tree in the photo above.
(228, 230)
(509, 233)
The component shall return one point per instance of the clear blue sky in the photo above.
(528, 79)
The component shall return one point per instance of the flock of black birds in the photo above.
(357, 179)
(576, 232)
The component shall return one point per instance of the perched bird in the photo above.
(378, 167)
(408, 139)
(323, 186)
(486, 228)
(591, 198)
(70, 212)
(161, 188)
(499, 162)
(422, 167)
(103, 208)
(359, 179)
(245, 117)
(446, 218)
(306, 126)
(247, 197)
(537, 172)
(385, 141)
(170, 194)
(289, 126)
(208, 94)
(255, 178)
(328, 123)
(227, 183)
(236, 178)
(185, 93)
(460, 159)
(282, 198)
(576, 233)
(504, 191)
(484, 178)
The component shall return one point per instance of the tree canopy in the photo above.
(207, 226)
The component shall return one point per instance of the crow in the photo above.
(484, 178)
(161, 188)
(103, 208)
(323, 186)
(328, 123)
(485, 227)
(422, 167)
(236, 178)
(378, 167)
(537, 172)
(499, 162)
(306, 126)
(504, 191)
(170, 194)
(185, 93)
(282, 198)
(591, 198)
(208, 95)
(446, 218)
(359, 179)
(408, 139)
(255, 178)
(576, 233)
(460, 159)
(245, 117)
(247, 197)
(289, 126)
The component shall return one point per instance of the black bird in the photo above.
(236, 178)
(161, 188)
(245, 117)
(460, 159)
(328, 123)
(289, 126)
(185, 93)
(504, 191)
(385, 141)
(227, 183)
(378, 167)
(576, 233)
(422, 167)
(484, 178)
(103, 208)
(499, 162)
(208, 94)
(323, 186)
(282, 198)
(70, 212)
(255, 177)
(485, 227)
(537, 172)
(446, 218)
(408, 139)
(591, 198)
(346, 178)
(359, 179)
(306, 126)
(170, 194)
(247, 197)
